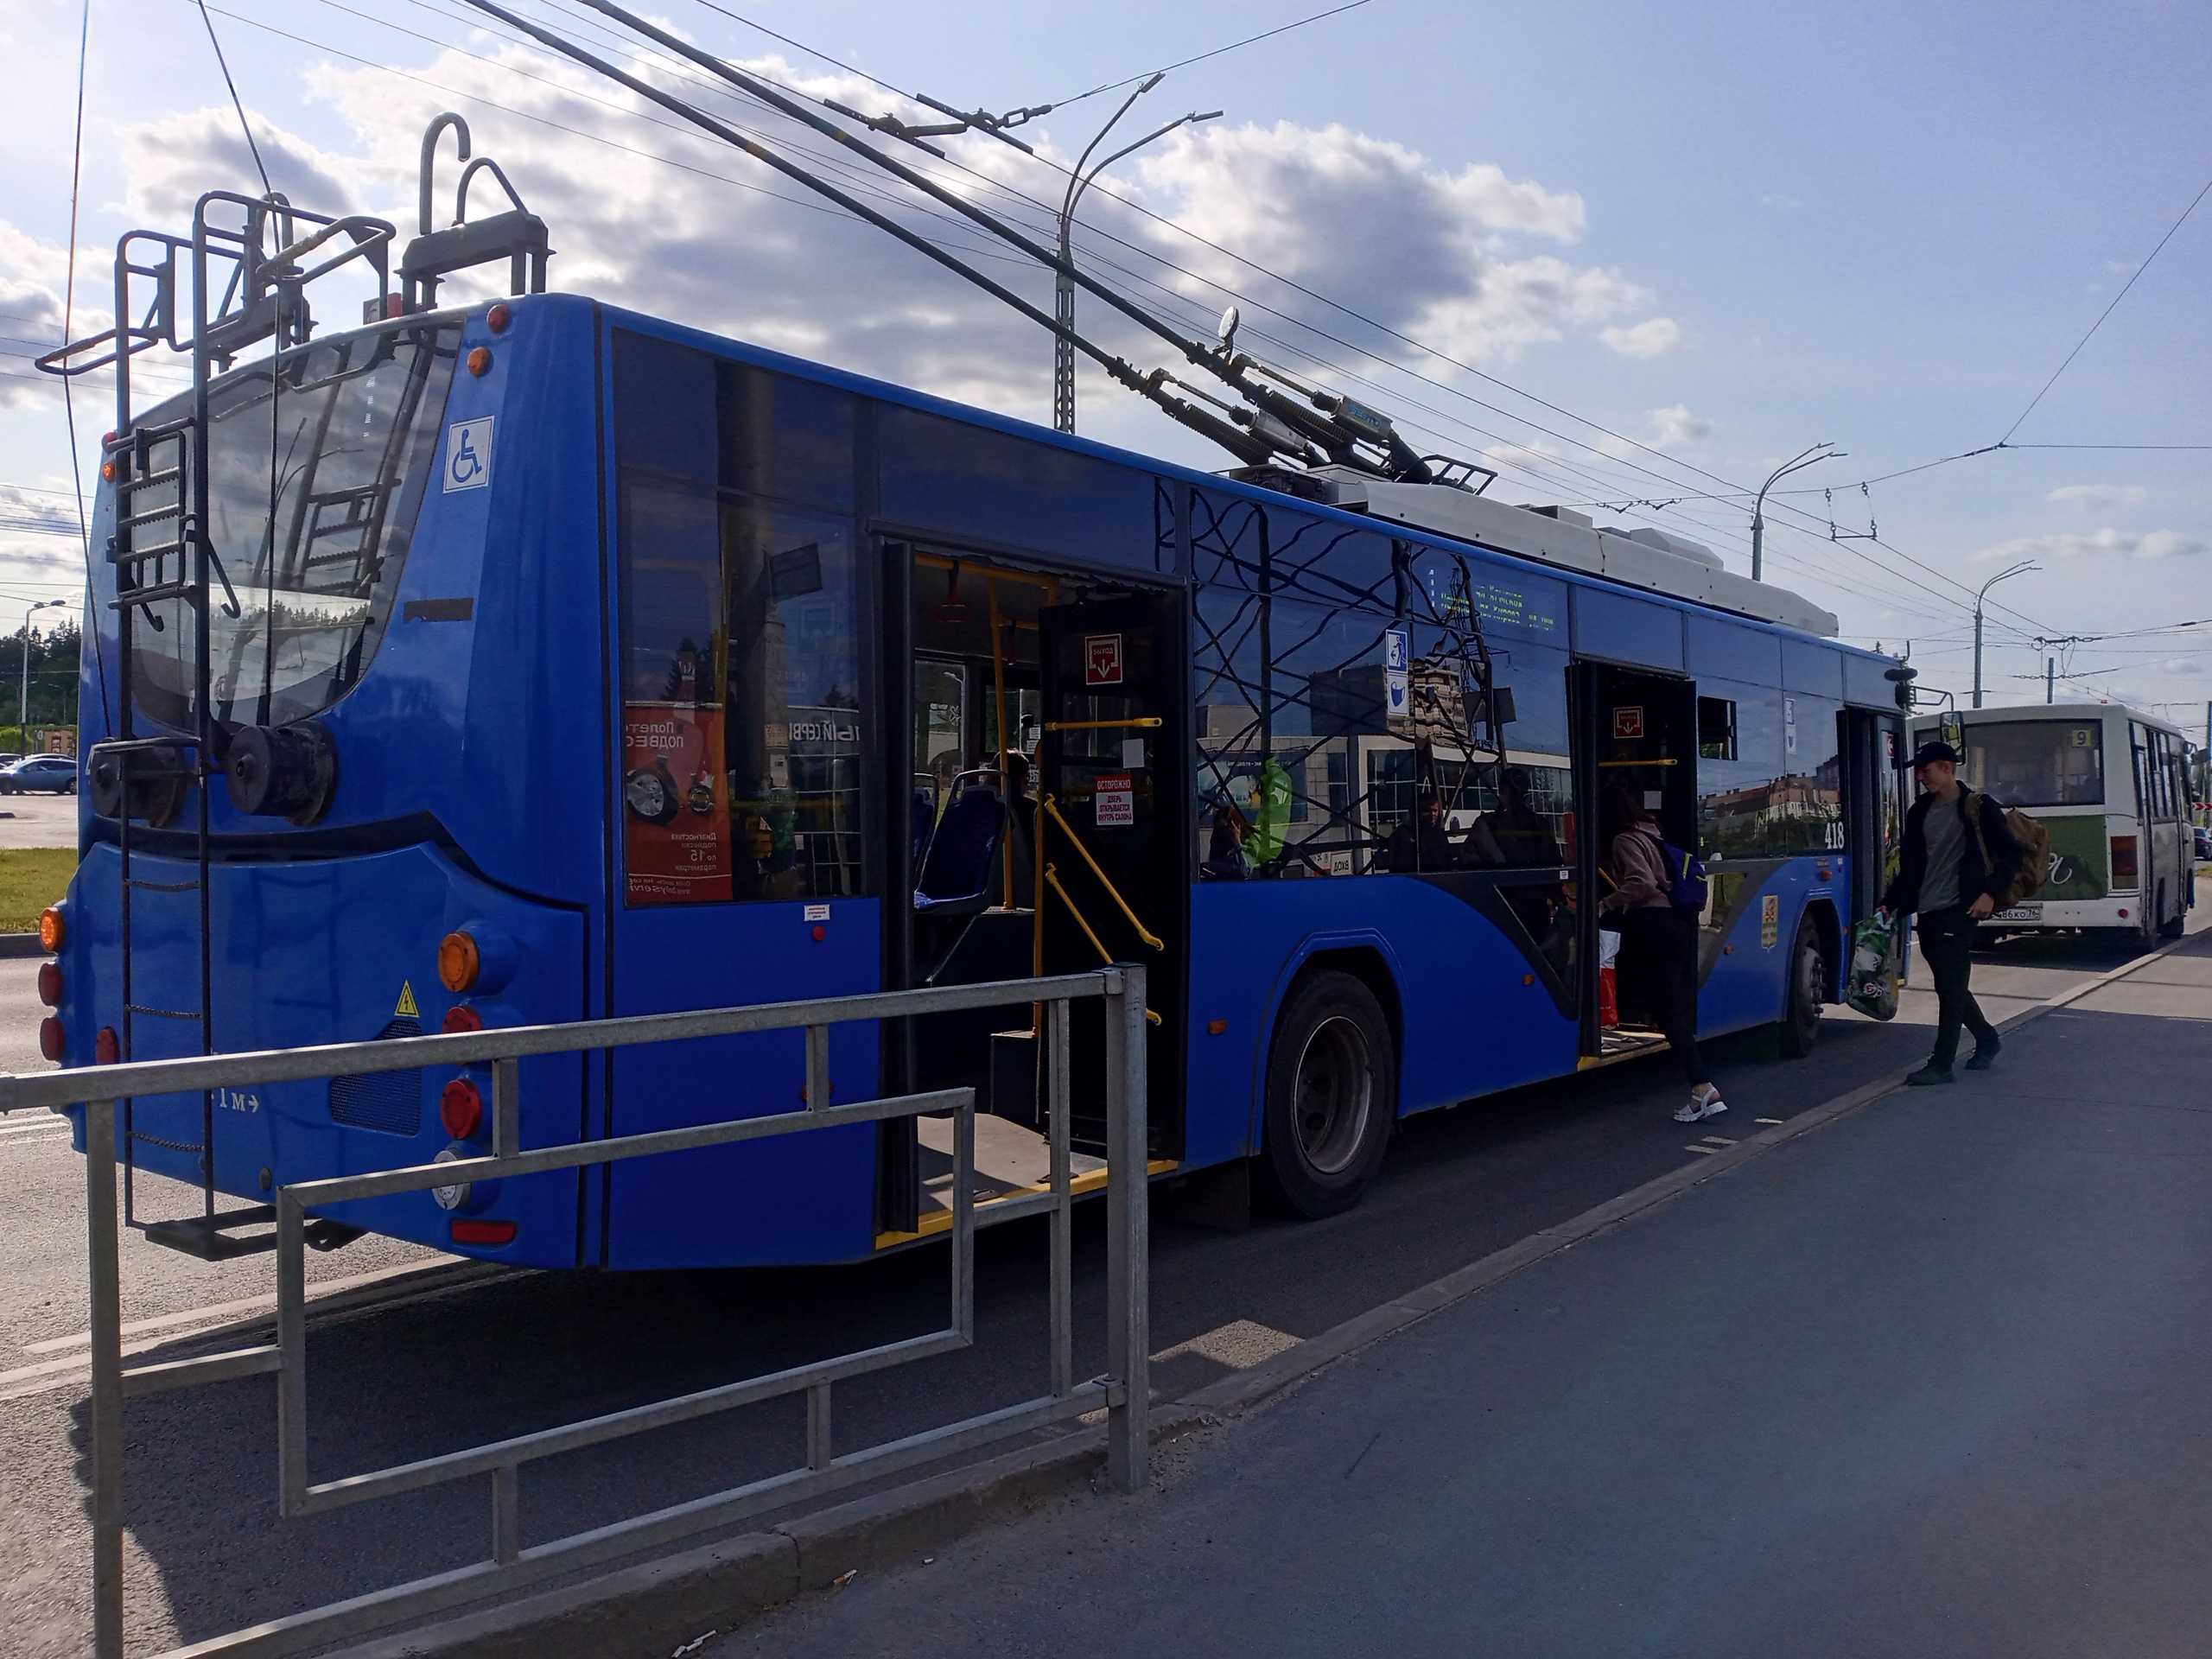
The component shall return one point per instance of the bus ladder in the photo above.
(160, 486)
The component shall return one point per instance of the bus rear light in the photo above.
(459, 961)
(107, 1048)
(499, 317)
(466, 1231)
(49, 983)
(2123, 861)
(461, 1108)
(53, 1041)
(107, 472)
(461, 1018)
(478, 957)
(53, 928)
(479, 360)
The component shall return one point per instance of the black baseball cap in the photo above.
(1934, 752)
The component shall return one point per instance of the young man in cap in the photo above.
(1945, 879)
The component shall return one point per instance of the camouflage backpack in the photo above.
(2034, 842)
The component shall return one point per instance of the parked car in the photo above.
(9, 757)
(56, 773)
(2203, 843)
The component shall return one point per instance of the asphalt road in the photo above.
(427, 1355)
(38, 820)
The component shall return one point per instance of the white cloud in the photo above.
(1653, 337)
(1676, 425)
(2095, 544)
(2097, 498)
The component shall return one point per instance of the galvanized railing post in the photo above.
(1128, 1444)
(292, 1355)
(1063, 1222)
(106, 1325)
(506, 1108)
(817, 1067)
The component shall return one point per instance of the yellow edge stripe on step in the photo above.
(940, 1221)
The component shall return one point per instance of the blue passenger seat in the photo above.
(957, 872)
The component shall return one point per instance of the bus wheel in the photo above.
(1800, 1020)
(1333, 1075)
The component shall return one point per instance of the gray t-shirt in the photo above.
(1946, 833)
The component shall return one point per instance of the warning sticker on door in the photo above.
(1101, 660)
(1629, 721)
(1117, 799)
(1770, 919)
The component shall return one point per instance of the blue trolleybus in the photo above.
(548, 662)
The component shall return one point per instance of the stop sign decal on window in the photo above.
(1101, 660)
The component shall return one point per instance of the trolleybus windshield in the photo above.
(2038, 762)
(315, 476)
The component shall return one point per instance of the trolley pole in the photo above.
(1079, 180)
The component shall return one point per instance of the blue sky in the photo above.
(1725, 232)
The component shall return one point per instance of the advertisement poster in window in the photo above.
(675, 803)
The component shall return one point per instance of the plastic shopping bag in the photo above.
(1877, 965)
(1609, 950)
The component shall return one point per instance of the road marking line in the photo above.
(244, 1304)
(1708, 1151)
(1719, 1141)
(1770, 1120)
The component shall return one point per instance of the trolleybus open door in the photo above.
(1114, 839)
(1873, 803)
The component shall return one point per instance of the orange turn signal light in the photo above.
(53, 928)
(479, 360)
(459, 963)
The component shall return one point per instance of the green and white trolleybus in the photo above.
(2108, 783)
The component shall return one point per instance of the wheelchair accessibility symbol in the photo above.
(468, 454)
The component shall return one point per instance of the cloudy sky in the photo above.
(1634, 256)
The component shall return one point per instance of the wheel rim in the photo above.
(1335, 1091)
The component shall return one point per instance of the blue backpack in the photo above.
(1686, 884)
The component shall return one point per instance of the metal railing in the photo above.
(1122, 1391)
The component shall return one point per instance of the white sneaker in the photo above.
(1705, 1103)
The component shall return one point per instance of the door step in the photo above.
(210, 1238)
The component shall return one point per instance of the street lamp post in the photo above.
(23, 703)
(1818, 452)
(2021, 568)
(1064, 281)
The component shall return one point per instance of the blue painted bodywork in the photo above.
(477, 782)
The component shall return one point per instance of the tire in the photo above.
(1801, 1015)
(1332, 1096)
(69, 788)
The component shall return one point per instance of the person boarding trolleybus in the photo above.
(1952, 869)
(1658, 938)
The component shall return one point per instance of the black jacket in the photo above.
(1975, 879)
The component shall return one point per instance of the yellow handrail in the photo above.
(1050, 874)
(1148, 722)
(1143, 933)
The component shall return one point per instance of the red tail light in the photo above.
(498, 316)
(466, 1231)
(2123, 861)
(49, 983)
(461, 1108)
(461, 1017)
(52, 1040)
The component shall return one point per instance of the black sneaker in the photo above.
(1985, 1052)
(1930, 1074)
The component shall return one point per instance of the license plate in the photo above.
(2019, 913)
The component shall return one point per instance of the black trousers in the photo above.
(1659, 958)
(1947, 940)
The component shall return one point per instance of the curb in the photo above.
(21, 945)
(648, 1610)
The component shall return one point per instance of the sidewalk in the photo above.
(1931, 1380)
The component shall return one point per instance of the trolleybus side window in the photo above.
(352, 437)
(742, 739)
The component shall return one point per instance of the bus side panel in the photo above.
(321, 951)
(1748, 982)
(802, 1197)
(1470, 1023)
